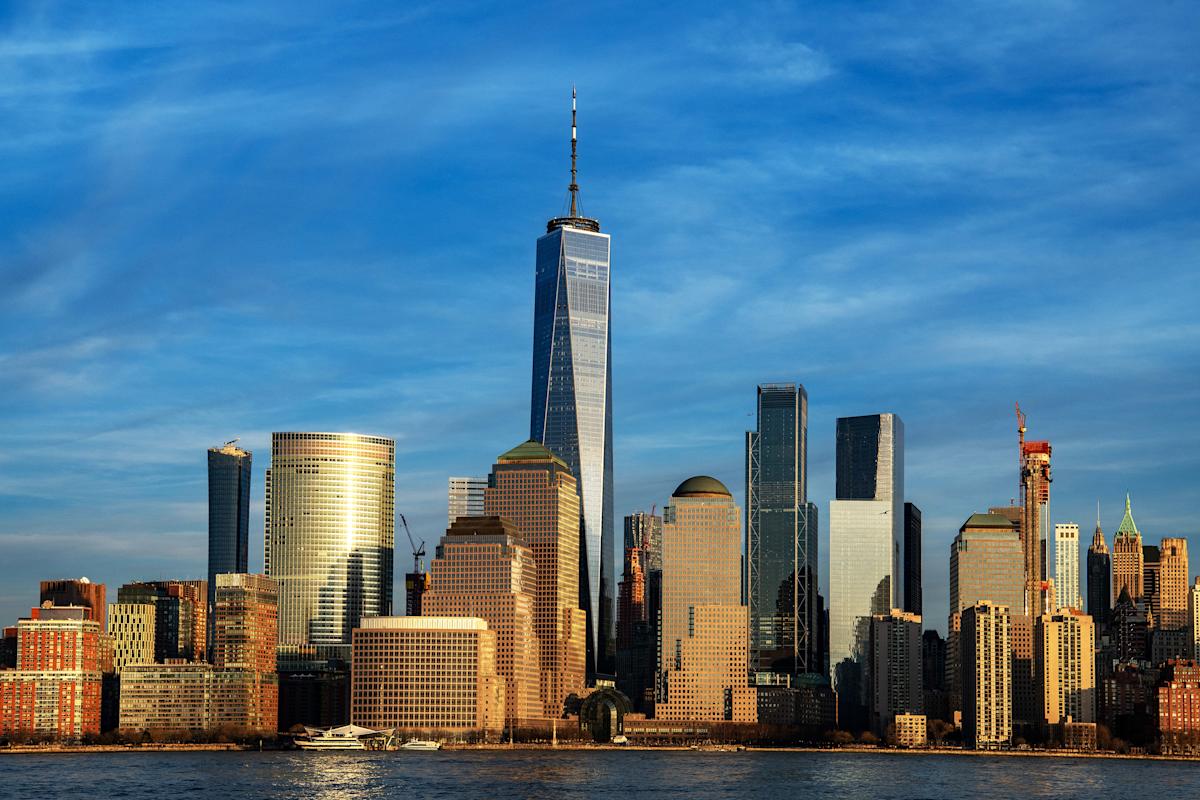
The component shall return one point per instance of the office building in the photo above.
(180, 616)
(428, 674)
(482, 568)
(1173, 582)
(464, 498)
(894, 668)
(182, 697)
(1066, 664)
(228, 515)
(1066, 566)
(913, 602)
(131, 628)
(76, 592)
(703, 634)
(1099, 579)
(536, 491)
(866, 548)
(781, 540)
(986, 677)
(986, 563)
(571, 404)
(1151, 569)
(1127, 572)
(330, 524)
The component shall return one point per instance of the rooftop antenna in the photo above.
(574, 187)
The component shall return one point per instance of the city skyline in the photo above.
(116, 394)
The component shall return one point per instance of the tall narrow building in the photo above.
(1065, 647)
(464, 498)
(866, 548)
(1099, 578)
(639, 599)
(1035, 487)
(228, 517)
(1172, 583)
(482, 568)
(571, 404)
(702, 641)
(913, 596)
(1066, 566)
(330, 535)
(781, 541)
(1127, 557)
(895, 668)
(987, 690)
(535, 490)
(1151, 568)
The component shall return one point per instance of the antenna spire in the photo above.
(574, 187)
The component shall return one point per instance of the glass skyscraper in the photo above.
(571, 405)
(228, 516)
(866, 547)
(330, 534)
(781, 535)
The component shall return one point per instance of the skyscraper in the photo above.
(781, 541)
(1065, 645)
(986, 676)
(894, 668)
(1066, 565)
(1127, 557)
(1035, 488)
(482, 568)
(866, 547)
(180, 613)
(1150, 575)
(330, 534)
(245, 626)
(228, 516)
(913, 599)
(571, 407)
(535, 490)
(644, 532)
(1172, 583)
(639, 601)
(464, 498)
(1099, 578)
(702, 641)
(986, 563)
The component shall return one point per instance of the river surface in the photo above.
(574, 774)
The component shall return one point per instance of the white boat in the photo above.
(419, 744)
(346, 737)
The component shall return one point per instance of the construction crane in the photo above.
(1021, 449)
(417, 551)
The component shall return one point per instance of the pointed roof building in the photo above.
(1128, 527)
(1098, 543)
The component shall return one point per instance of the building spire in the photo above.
(574, 187)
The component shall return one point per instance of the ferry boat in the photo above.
(346, 737)
(419, 744)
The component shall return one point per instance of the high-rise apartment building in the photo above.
(1066, 565)
(180, 616)
(1065, 647)
(986, 676)
(1099, 579)
(330, 534)
(913, 599)
(245, 622)
(1172, 584)
(228, 515)
(482, 568)
(1179, 705)
(781, 541)
(894, 668)
(428, 674)
(1127, 557)
(571, 404)
(1035, 487)
(194, 697)
(131, 629)
(536, 491)
(464, 498)
(1151, 570)
(703, 634)
(76, 592)
(1194, 619)
(866, 547)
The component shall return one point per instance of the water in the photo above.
(573, 774)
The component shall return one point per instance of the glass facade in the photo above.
(571, 408)
(330, 534)
(781, 540)
(228, 515)
(913, 596)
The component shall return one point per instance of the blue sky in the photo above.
(225, 219)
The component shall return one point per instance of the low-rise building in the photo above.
(1179, 699)
(189, 696)
(911, 730)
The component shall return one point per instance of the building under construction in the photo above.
(1035, 493)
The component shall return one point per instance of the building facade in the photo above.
(866, 548)
(571, 398)
(1066, 664)
(703, 635)
(432, 674)
(781, 544)
(76, 592)
(181, 698)
(913, 596)
(330, 534)
(536, 491)
(986, 677)
(1035, 482)
(1066, 565)
(180, 616)
(228, 515)
(483, 569)
(464, 498)
(1173, 583)
(1099, 579)
(894, 668)
(1127, 565)
(131, 629)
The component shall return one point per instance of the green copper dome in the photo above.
(1128, 527)
(530, 451)
(699, 486)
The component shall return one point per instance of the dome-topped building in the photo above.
(701, 486)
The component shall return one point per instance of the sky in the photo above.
(220, 220)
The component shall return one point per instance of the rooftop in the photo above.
(988, 520)
(701, 486)
(530, 451)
